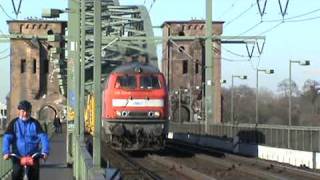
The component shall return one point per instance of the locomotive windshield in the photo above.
(146, 81)
(149, 82)
(127, 82)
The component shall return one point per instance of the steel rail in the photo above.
(121, 160)
(266, 164)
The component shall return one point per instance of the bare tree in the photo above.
(273, 109)
(244, 104)
(310, 92)
(284, 87)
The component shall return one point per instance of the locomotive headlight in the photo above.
(156, 114)
(124, 113)
(118, 113)
(153, 114)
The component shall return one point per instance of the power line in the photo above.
(293, 17)
(251, 28)
(306, 19)
(281, 22)
(4, 11)
(4, 57)
(153, 1)
(4, 50)
(235, 60)
(284, 20)
(289, 19)
(241, 14)
(234, 53)
(228, 9)
(272, 28)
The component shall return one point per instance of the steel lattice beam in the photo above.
(119, 22)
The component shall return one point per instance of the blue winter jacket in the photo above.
(25, 138)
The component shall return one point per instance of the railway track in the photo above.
(184, 161)
(225, 166)
(129, 168)
(141, 165)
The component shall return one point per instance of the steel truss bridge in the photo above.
(102, 34)
(110, 34)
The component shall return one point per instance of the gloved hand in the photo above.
(6, 156)
(44, 156)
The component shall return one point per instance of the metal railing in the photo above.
(302, 138)
(85, 168)
(5, 166)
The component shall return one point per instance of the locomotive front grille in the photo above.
(138, 114)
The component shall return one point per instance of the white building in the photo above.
(3, 115)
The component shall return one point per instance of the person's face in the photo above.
(24, 115)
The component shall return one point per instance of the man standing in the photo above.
(23, 137)
(57, 124)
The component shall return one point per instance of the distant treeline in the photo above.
(273, 106)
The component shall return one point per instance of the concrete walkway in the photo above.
(55, 168)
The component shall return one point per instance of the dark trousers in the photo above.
(18, 171)
(58, 129)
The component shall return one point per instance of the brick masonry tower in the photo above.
(183, 62)
(36, 61)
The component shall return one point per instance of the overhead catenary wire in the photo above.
(151, 5)
(5, 50)
(294, 17)
(235, 60)
(285, 20)
(270, 29)
(236, 54)
(238, 16)
(306, 19)
(251, 28)
(228, 9)
(231, 52)
(5, 12)
(4, 57)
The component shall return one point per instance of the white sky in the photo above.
(289, 40)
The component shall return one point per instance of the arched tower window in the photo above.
(34, 66)
(23, 66)
(184, 66)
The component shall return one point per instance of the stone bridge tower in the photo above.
(35, 66)
(183, 63)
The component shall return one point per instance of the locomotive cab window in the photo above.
(149, 82)
(126, 82)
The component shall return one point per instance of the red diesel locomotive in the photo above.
(135, 108)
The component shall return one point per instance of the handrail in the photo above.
(304, 138)
(85, 165)
(5, 166)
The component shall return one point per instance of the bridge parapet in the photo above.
(303, 138)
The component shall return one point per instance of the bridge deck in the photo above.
(56, 167)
